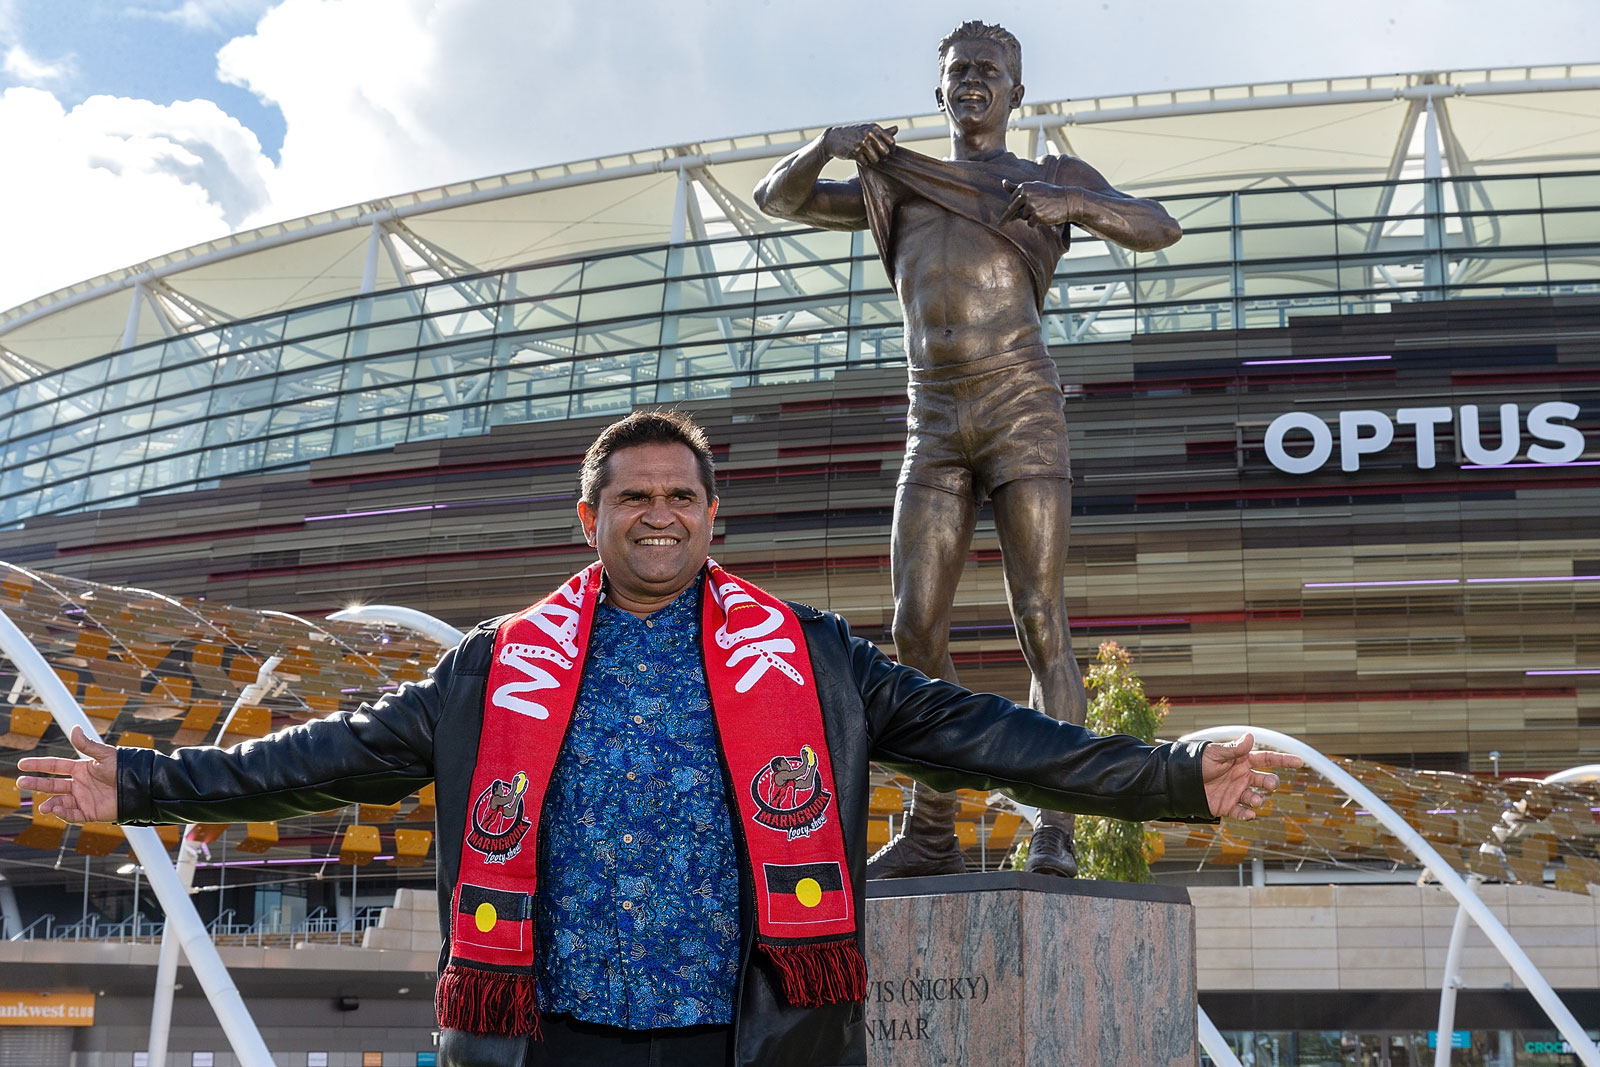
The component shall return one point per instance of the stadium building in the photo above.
(1335, 456)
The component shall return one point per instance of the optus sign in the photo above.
(1301, 443)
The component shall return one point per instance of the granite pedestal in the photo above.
(1025, 970)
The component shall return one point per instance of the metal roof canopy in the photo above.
(1319, 132)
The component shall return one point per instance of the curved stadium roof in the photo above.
(1523, 120)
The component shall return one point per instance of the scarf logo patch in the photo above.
(789, 795)
(498, 823)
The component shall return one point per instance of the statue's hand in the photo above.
(867, 143)
(1041, 204)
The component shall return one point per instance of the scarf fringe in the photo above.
(832, 972)
(487, 1002)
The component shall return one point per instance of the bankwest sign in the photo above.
(46, 1009)
(1300, 442)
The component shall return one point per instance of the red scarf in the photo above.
(769, 728)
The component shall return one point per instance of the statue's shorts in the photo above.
(991, 421)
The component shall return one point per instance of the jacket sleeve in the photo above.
(950, 737)
(379, 753)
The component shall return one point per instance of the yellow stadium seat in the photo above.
(45, 831)
(377, 812)
(259, 836)
(423, 812)
(358, 845)
(246, 724)
(1003, 830)
(28, 724)
(886, 800)
(132, 739)
(966, 834)
(411, 847)
(10, 796)
(197, 723)
(877, 834)
(99, 839)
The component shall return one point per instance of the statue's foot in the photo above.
(912, 855)
(1051, 852)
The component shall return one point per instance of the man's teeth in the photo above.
(658, 540)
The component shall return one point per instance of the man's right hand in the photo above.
(77, 790)
(867, 143)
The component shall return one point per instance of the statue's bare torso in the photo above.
(966, 292)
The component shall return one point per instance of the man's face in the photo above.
(651, 523)
(976, 91)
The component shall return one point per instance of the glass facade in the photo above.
(598, 335)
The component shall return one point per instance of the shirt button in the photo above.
(631, 776)
(627, 905)
(650, 624)
(627, 839)
(644, 668)
(639, 719)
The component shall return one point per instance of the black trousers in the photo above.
(568, 1042)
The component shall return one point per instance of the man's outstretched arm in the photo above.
(1082, 197)
(795, 191)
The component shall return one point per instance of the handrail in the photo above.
(1453, 883)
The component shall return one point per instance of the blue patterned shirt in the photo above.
(638, 901)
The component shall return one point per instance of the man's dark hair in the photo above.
(982, 31)
(645, 428)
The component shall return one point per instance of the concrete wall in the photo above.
(1353, 937)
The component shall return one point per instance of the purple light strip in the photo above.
(1513, 466)
(365, 514)
(1584, 670)
(279, 863)
(1366, 585)
(440, 507)
(1316, 359)
(1539, 578)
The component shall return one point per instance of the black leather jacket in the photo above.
(873, 709)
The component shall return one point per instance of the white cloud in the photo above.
(30, 70)
(114, 181)
(205, 15)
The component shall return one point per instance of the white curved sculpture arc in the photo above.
(224, 996)
(1479, 912)
(438, 631)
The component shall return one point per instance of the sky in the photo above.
(130, 128)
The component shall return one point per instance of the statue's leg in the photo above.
(932, 532)
(1031, 518)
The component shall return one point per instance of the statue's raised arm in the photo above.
(795, 190)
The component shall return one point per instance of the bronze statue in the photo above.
(971, 244)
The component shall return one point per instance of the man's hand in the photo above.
(868, 143)
(1041, 204)
(1236, 778)
(81, 790)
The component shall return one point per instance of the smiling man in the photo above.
(652, 791)
(971, 243)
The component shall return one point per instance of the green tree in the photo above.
(1111, 849)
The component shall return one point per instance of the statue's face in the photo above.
(976, 91)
